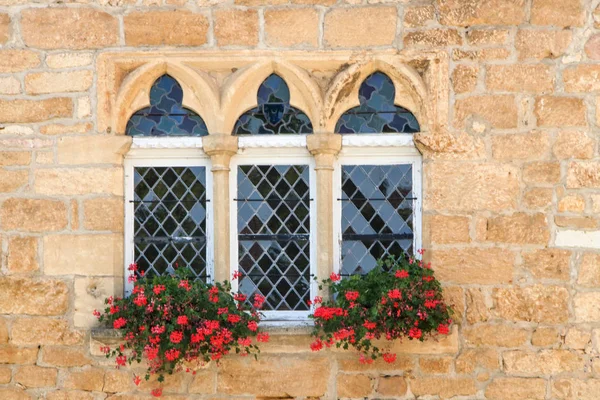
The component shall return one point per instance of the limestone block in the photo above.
(544, 336)
(350, 363)
(5, 30)
(518, 228)
(92, 255)
(27, 111)
(69, 60)
(91, 379)
(360, 27)
(477, 307)
(464, 78)
(553, 111)
(567, 13)
(482, 12)
(62, 129)
(353, 385)
(582, 78)
(500, 335)
(60, 356)
(90, 293)
(97, 149)
(540, 44)
(547, 362)
(14, 158)
(533, 78)
(575, 222)
(455, 298)
(470, 265)
(17, 60)
(583, 174)
(10, 354)
(56, 82)
(432, 38)
(236, 27)
(435, 365)
(44, 331)
(79, 181)
(572, 203)
(486, 36)
(516, 388)
(446, 229)
(480, 55)
(34, 377)
(33, 215)
(576, 389)
(471, 359)
(578, 339)
(529, 146)
(204, 382)
(177, 28)
(537, 198)
(573, 144)
(444, 387)
(392, 386)
(535, 303)
(72, 395)
(22, 254)
(118, 381)
(11, 393)
(5, 375)
(548, 263)
(33, 296)
(104, 214)
(12, 180)
(589, 270)
(10, 85)
(499, 110)
(419, 16)
(587, 307)
(68, 28)
(542, 172)
(292, 27)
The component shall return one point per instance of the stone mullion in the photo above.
(221, 148)
(324, 147)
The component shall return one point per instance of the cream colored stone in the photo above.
(5, 29)
(236, 27)
(535, 303)
(537, 198)
(522, 362)
(5, 375)
(204, 382)
(177, 28)
(18, 355)
(432, 38)
(84, 107)
(529, 146)
(32, 215)
(544, 336)
(97, 149)
(3, 331)
(33, 297)
(464, 78)
(485, 36)
(481, 12)
(548, 264)
(44, 331)
(360, 27)
(353, 385)
(533, 78)
(17, 60)
(10, 85)
(444, 387)
(539, 44)
(44, 157)
(477, 307)
(72, 28)
(91, 379)
(56, 82)
(480, 55)
(392, 386)
(516, 388)
(471, 359)
(435, 365)
(103, 214)
(14, 158)
(573, 144)
(69, 60)
(118, 381)
(587, 307)
(419, 16)
(582, 78)
(11, 393)
(578, 339)
(27, 111)
(79, 181)
(292, 27)
(60, 356)
(34, 377)
(92, 255)
(583, 174)
(564, 13)
(22, 254)
(445, 229)
(575, 222)
(589, 270)
(499, 110)
(71, 395)
(542, 172)
(595, 203)
(495, 335)
(560, 111)
(13, 180)
(90, 293)
(60, 129)
(576, 389)
(518, 228)
(482, 266)
(471, 186)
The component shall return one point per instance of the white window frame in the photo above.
(275, 150)
(377, 149)
(165, 152)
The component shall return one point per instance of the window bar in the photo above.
(169, 201)
(274, 199)
(377, 236)
(282, 237)
(169, 239)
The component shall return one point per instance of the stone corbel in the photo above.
(220, 148)
(324, 147)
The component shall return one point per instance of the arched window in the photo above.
(273, 115)
(166, 115)
(377, 112)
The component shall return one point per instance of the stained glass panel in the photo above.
(377, 112)
(273, 115)
(170, 219)
(377, 214)
(273, 233)
(166, 115)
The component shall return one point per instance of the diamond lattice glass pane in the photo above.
(273, 115)
(377, 214)
(377, 112)
(166, 115)
(273, 231)
(170, 219)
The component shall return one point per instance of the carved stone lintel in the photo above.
(220, 148)
(324, 147)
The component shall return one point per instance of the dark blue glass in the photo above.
(274, 115)
(377, 112)
(166, 115)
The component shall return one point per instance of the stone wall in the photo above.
(511, 189)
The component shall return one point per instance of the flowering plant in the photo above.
(171, 319)
(397, 299)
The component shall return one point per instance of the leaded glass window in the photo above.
(273, 115)
(377, 112)
(170, 213)
(377, 215)
(273, 222)
(166, 115)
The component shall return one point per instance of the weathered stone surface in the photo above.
(557, 12)
(444, 387)
(360, 27)
(544, 336)
(12, 180)
(27, 111)
(69, 60)
(480, 55)
(236, 27)
(178, 28)
(589, 270)
(5, 30)
(516, 388)
(75, 395)
(17, 60)
(471, 359)
(560, 111)
(59, 356)
(583, 174)
(117, 381)
(481, 12)
(540, 44)
(97, 149)
(274, 376)
(582, 78)
(91, 379)
(33, 297)
(486, 36)
(33, 376)
(575, 222)
(578, 339)
(471, 186)
(13, 158)
(576, 389)
(529, 146)
(204, 382)
(292, 27)
(53, 82)
(353, 385)
(538, 198)
(5, 375)
(18, 355)
(10, 393)
(44, 331)
(518, 228)
(548, 263)
(10, 85)
(61, 129)
(83, 255)
(72, 28)
(573, 144)
(499, 110)
(79, 181)
(535, 303)
(22, 254)
(483, 266)
(419, 16)
(3, 331)
(522, 362)
(535, 78)
(445, 229)
(392, 386)
(34, 215)
(587, 307)
(455, 298)
(495, 335)
(435, 365)
(432, 38)
(103, 214)
(572, 203)
(477, 308)
(464, 78)
(90, 293)
(542, 172)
